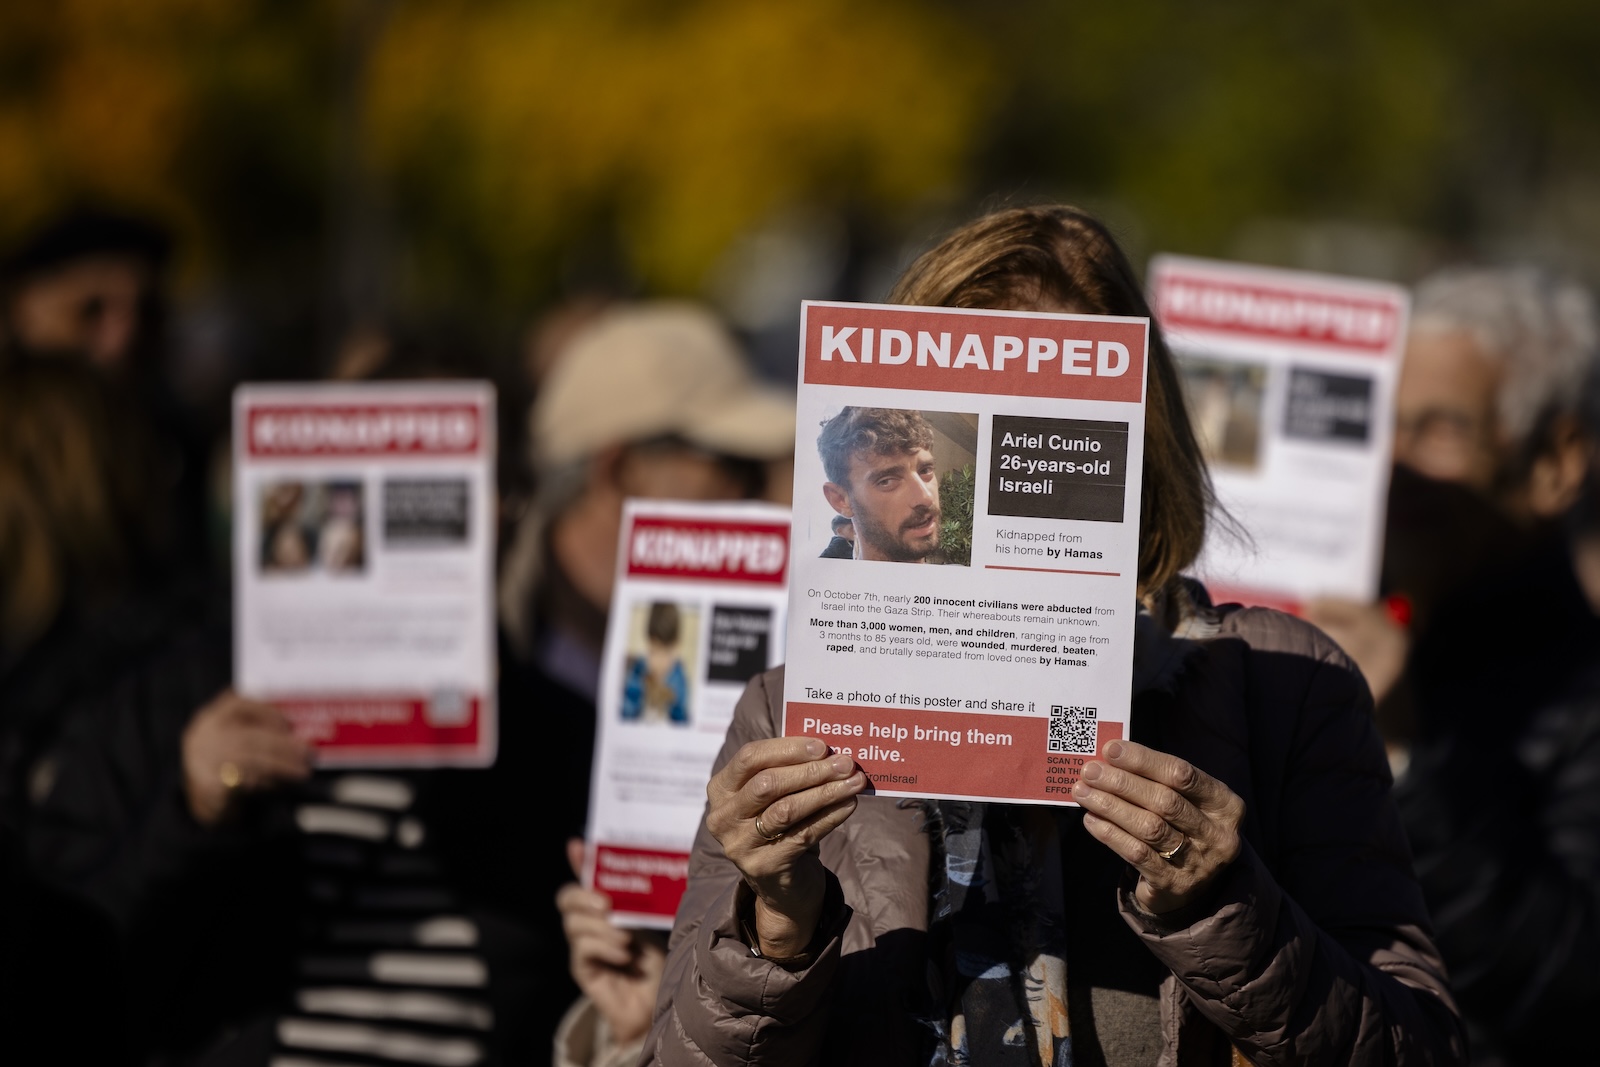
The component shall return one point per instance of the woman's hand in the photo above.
(618, 970)
(1369, 634)
(770, 808)
(234, 746)
(1177, 825)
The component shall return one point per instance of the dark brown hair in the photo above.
(882, 431)
(662, 624)
(77, 510)
(1057, 258)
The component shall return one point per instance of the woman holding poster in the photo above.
(1233, 884)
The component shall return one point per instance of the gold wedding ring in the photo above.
(229, 775)
(762, 830)
(1171, 854)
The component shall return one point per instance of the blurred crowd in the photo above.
(180, 884)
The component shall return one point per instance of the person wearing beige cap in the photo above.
(646, 400)
(649, 400)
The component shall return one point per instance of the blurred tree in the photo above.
(473, 152)
(510, 129)
(208, 115)
(492, 138)
(1458, 120)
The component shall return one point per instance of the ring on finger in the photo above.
(1171, 855)
(769, 838)
(230, 775)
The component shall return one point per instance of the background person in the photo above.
(1503, 669)
(1491, 385)
(87, 583)
(619, 972)
(86, 285)
(843, 543)
(1488, 400)
(648, 400)
(89, 287)
(1264, 888)
(692, 424)
(257, 901)
(82, 600)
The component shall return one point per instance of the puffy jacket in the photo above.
(1313, 948)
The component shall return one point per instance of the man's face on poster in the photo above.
(893, 500)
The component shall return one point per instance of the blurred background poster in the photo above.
(1290, 378)
(699, 610)
(364, 567)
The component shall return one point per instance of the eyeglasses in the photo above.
(1441, 437)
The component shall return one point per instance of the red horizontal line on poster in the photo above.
(1052, 570)
(1368, 324)
(454, 429)
(950, 351)
(708, 550)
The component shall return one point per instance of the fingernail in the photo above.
(816, 749)
(1081, 791)
(1114, 750)
(1092, 771)
(842, 764)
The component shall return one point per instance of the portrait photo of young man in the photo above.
(883, 476)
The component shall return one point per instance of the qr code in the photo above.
(1073, 729)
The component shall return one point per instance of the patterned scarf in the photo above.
(998, 937)
(997, 932)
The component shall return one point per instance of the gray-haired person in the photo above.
(1489, 390)
(1488, 400)
(1499, 784)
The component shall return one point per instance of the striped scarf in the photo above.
(998, 937)
(997, 930)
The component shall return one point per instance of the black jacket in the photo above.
(1502, 805)
(220, 926)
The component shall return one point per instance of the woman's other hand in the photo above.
(1177, 825)
(770, 808)
(233, 746)
(618, 970)
(1370, 634)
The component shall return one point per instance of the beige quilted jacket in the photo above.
(1315, 950)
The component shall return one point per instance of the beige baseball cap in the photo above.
(666, 368)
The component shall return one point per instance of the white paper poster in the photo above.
(1290, 378)
(698, 611)
(364, 567)
(974, 638)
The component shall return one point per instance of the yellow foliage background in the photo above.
(490, 139)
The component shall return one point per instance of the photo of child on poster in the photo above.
(899, 484)
(1225, 401)
(312, 525)
(655, 688)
